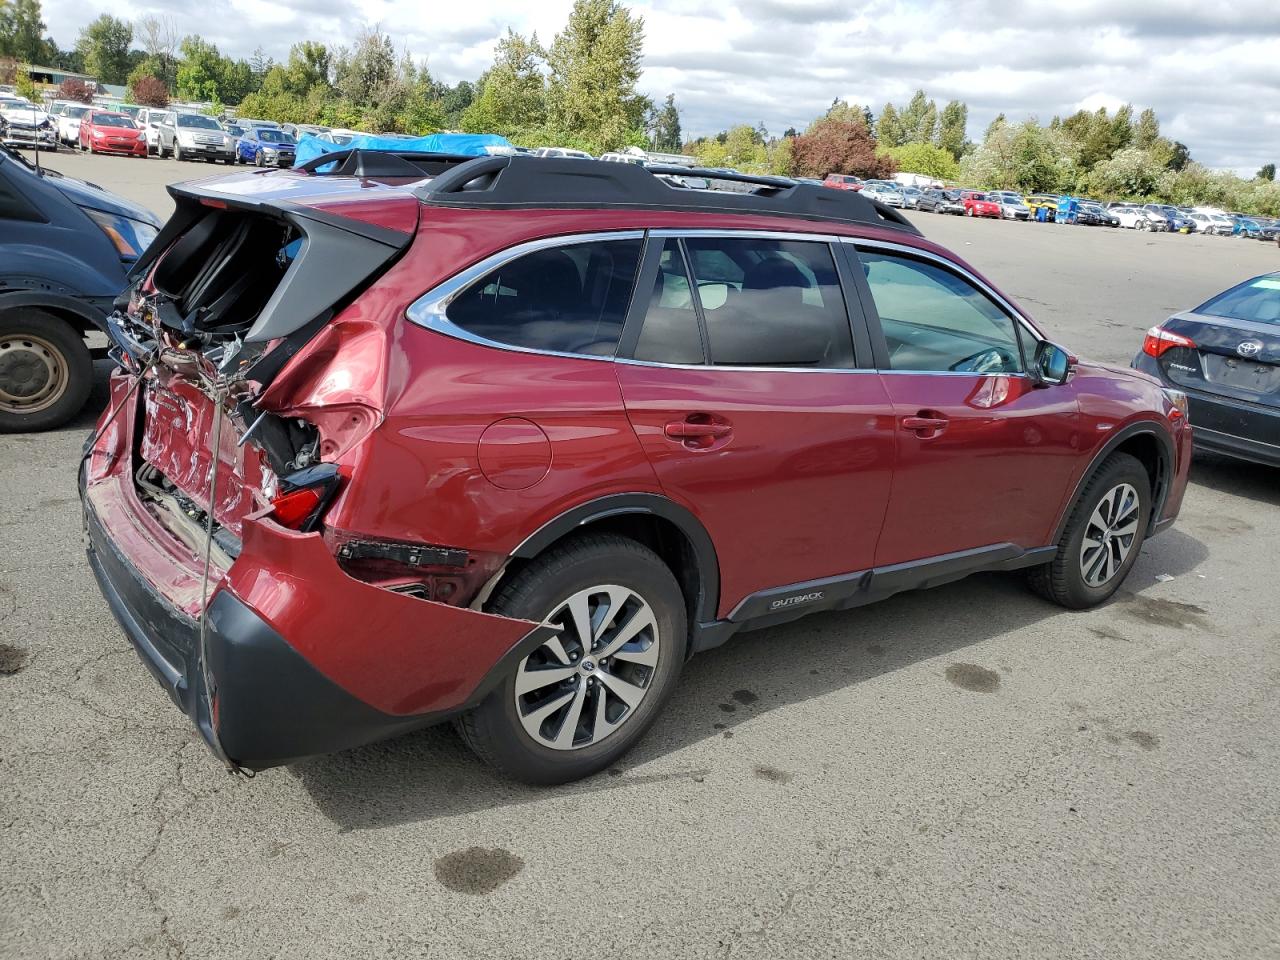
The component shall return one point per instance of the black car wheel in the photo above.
(582, 698)
(1101, 541)
(45, 370)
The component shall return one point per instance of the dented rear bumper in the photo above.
(299, 658)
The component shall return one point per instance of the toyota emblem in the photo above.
(1250, 348)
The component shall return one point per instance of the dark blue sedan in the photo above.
(266, 147)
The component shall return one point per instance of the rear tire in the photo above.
(1102, 538)
(46, 371)
(610, 698)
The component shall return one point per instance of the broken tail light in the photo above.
(1159, 340)
(302, 496)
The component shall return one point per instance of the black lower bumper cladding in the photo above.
(271, 705)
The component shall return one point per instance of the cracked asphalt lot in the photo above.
(966, 772)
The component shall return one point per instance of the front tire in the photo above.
(46, 371)
(578, 702)
(177, 151)
(1101, 541)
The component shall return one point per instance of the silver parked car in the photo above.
(192, 136)
(1011, 204)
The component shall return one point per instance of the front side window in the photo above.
(936, 320)
(568, 299)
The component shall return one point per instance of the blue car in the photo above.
(65, 248)
(1246, 227)
(266, 147)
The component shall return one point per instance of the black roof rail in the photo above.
(360, 162)
(503, 182)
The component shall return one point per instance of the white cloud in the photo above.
(1205, 68)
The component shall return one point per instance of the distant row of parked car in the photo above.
(1050, 207)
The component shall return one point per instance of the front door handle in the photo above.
(925, 427)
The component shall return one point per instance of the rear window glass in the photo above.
(569, 299)
(1256, 300)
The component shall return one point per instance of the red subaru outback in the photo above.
(505, 440)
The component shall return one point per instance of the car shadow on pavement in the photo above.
(430, 773)
(1239, 478)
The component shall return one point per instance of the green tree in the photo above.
(994, 125)
(889, 130)
(594, 66)
(200, 76)
(919, 120)
(104, 45)
(667, 136)
(512, 97)
(742, 149)
(1025, 156)
(1147, 130)
(22, 32)
(309, 66)
(1268, 172)
(925, 158)
(952, 128)
(366, 72)
(846, 112)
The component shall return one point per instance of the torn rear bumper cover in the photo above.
(271, 703)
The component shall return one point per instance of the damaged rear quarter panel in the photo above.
(397, 653)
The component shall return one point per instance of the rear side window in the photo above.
(936, 320)
(763, 303)
(569, 299)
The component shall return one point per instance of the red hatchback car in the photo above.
(102, 131)
(505, 440)
(977, 205)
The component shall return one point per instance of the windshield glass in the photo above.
(234, 130)
(198, 121)
(112, 120)
(76, 112)
(275, 136)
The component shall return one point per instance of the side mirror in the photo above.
(1052, 363)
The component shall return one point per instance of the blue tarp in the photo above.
(471, 144)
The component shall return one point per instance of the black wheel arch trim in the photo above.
(85, 310)
(1166, 467)
(651, 504)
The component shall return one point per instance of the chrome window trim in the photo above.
(430, 309)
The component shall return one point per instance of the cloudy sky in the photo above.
(1210, 69)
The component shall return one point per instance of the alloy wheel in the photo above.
(588, 680)
(1110, 534)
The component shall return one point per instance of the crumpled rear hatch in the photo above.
(247, 271)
